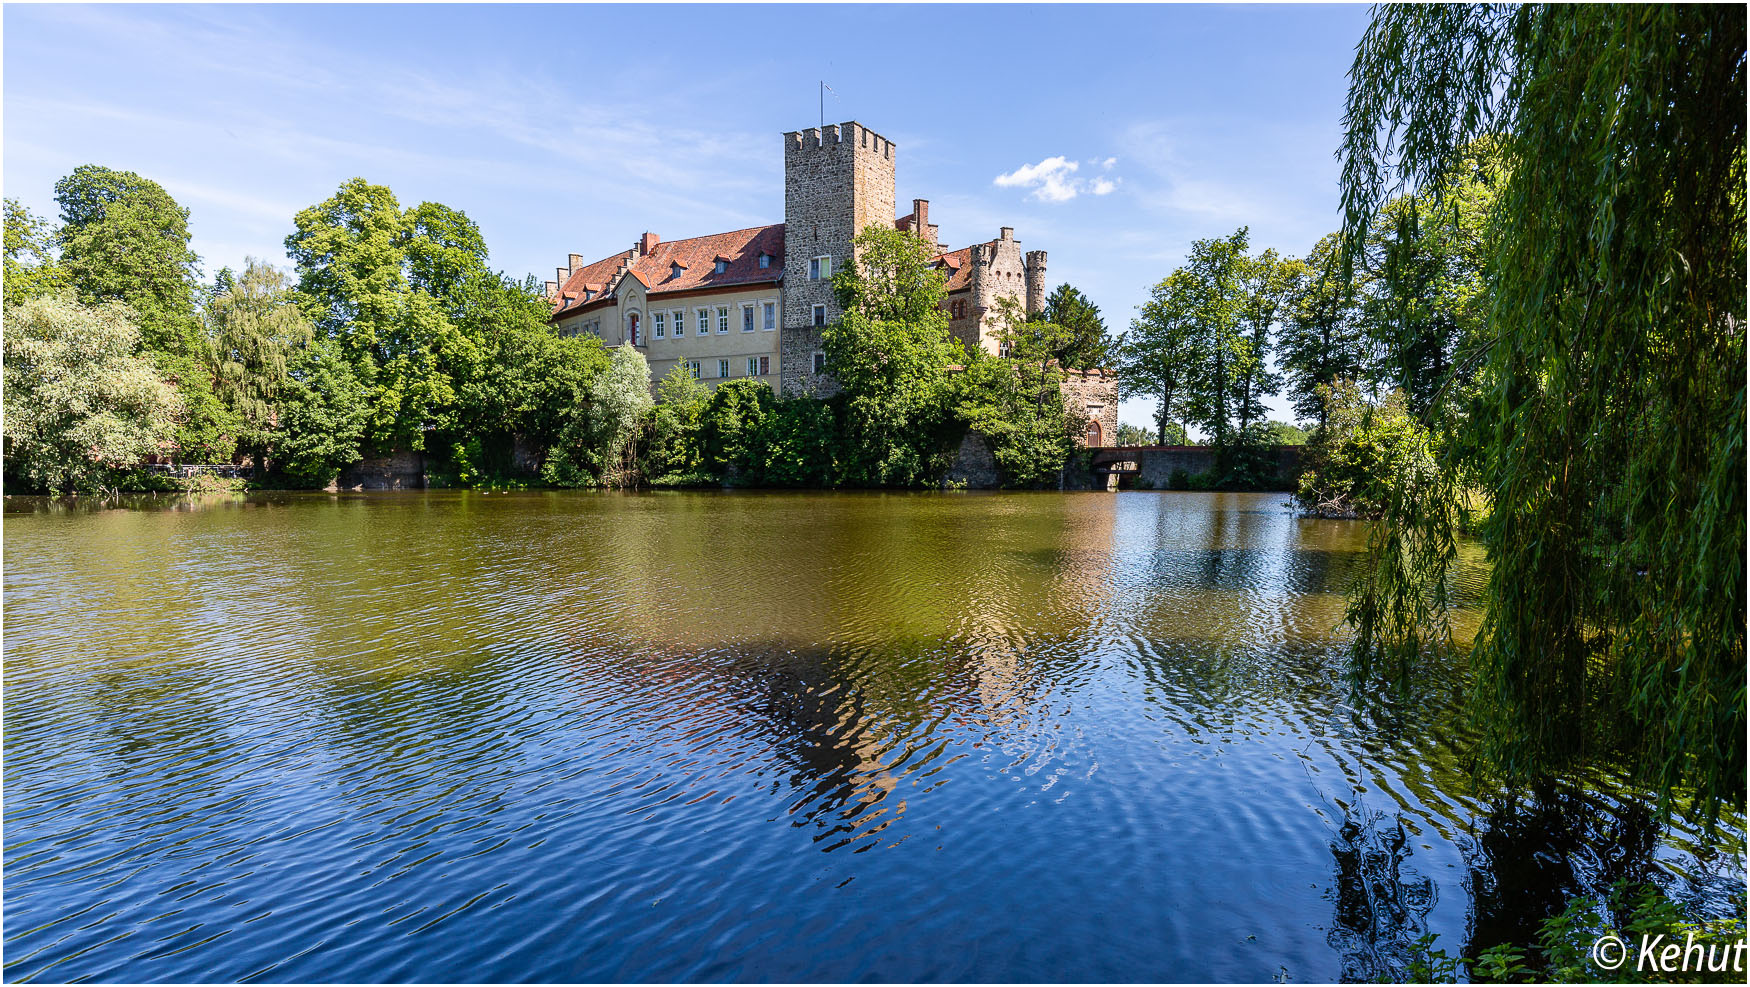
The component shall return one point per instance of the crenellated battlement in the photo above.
(837, 138)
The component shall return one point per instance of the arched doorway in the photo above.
(1092, 439)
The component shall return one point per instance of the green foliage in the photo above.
(891, 278)
(124, 239)
(1607, 428)
(253, 330)
(1363, 449)
(1563, 954)
(355, 256)
(732, 427)
(324, 415)
(452, 354)
(1201, 345)
(1322, 340)
(799, 444)
(1423, 290)
(890, 353)
(1266, 284)
(32, 271)
(1157, 357)
(1131, 435)
(1016, 405)
(673, 452)
(601, 446)
(1087, 346)
(81, 403)
(1283, 434)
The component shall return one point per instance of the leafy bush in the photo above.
(81, 402)
(1352, 463)
(1562, 953)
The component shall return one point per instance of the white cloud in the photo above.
(1054, 180)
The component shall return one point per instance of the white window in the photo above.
(820, 267)
(704, 321)
(722, 368)
(771, 316)
(656, 325)
(753, 366)
(747, 318)
(693, 368)
(680, 326)
(723, 321)
(820, 315)
(819, 362)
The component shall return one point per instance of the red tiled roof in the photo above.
(589, 278)
(697, 257)
(958, 263)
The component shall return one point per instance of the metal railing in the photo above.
(227, 470)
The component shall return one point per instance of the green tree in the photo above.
(1157, 357)
(732, 429)
(601, 445)
(1607, 429)
(1214, 303)
(124, 239)
(1266, 283)
(1422, 288)
(254, 327)
(32, 270)
(354, 255)
(1088, 346)
(891, 278)
(673, 449)
(890, 353)
(324, 414)
(1322, 340)
(1131, 435)
(1283, 434)
(81, 402)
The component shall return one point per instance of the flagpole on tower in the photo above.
(824, 89)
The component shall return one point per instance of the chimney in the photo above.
(576, 261)
(1008, 232)
(564, 274)
(647, 243)
(552, 288)
(920, 212)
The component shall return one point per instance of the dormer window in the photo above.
(674, 270)
(722, 265)
(765, 261)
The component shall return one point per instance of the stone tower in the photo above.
(837, 180)
(1035, 270)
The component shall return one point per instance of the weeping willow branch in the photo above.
(1606, 427)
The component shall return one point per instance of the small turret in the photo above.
(1035, 270)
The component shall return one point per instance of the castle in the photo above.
(751, 303)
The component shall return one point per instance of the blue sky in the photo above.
(566, 129)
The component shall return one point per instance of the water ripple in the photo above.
(545, 737)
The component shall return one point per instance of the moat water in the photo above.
(440, 736)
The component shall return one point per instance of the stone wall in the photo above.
(1093, 394)
(974, 467)
(1159, 465)
(402, 469)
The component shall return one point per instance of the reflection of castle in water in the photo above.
(902, 646)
